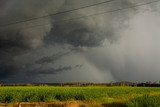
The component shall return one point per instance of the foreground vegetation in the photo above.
(144, 101)
(126, 96)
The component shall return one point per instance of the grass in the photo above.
(125, 96)
(144, 101)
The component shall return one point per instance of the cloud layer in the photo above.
(118, 46)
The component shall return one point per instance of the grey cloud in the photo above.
(88, 32)
(76, 34)
(6, 70)
(51, 59)
(54, 71)
(47, 71)
(65, 45)
(13, 41)
(17, 40)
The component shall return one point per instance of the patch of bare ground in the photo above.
(60, 104)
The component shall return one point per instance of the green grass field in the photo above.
(126, 96)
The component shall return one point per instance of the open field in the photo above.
(122, 96)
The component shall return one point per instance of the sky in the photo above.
(70, 47)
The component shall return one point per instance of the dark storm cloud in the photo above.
(86, 32)
(13, 42)
(16, 41)
(51, 70)
(75, 33)
(56, 70)
(51, 59)
(7, 65)
(67, 45)
(6, 70)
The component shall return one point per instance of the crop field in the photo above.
(122, 96)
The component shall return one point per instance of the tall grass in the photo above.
(51, 93)
(144, 101)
